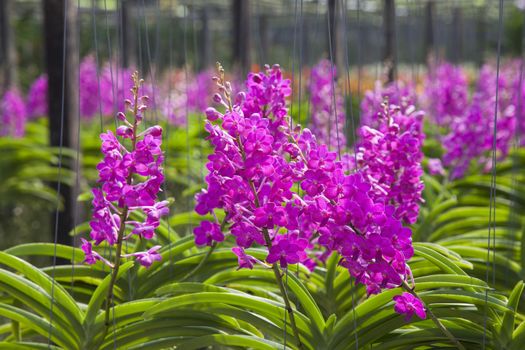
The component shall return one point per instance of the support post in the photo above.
(206, 40)
(7, 46)
(389, 26)
(62, 117)
(241, 34)
(457, 37)
(128, 34)
(429, 29)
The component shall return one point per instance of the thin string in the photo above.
(186, 112)
(333, 109)
(300, 59)
(110, 63)
(166, 153)
(359, 64)
(112, 80)
(347, 90)
(316, 37)
(293, 61)
(514, 216)
(148, 52)
(492, 195)
(77, 161)
(95, 43)
(59, 182)
(348, 95)
(291, 128)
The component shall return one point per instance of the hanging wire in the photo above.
(347, 90)
(333, 107)
(359, 63)
(77, 161)
(110, 63)
(348, 96)
(166, 135)
(293, 61)
(315, 40)
(59, 179)
(95, 43)
(186, 111)
(492, 195)
(514, 213)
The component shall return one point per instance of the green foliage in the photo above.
(195, 297)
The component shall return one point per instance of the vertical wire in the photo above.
(300, 60)
(148, 52)
(348, 94)
(186, 112)
(59, 182)
(77, 161)
(316, 36)
(110, 53)
(95, 42)
(347, 90)
(293, 62)
(514, 218)
(166, 153)
(333, 77)
(492, 195)
(359, 63)
(115, 104)
(120, 78)
(291, 127)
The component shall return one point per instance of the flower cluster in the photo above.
(104, 90)
(185, 94)
(13, 114)
(446, 93)
(390, 158)
(471, 135)
(130, 181)
(327, 106)
(409, 305)
(398, 93)
(257, 162)
(37, 98)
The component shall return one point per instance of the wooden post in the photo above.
(481, 35)
(206, 39)
(241, 34)
(389, 26)
(7, 45)
(457, 37)
(62, 117)
(264, 37)
(128, 34)
(335, 26)
(429, 29)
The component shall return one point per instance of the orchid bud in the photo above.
(154, 131)
(217, 98)
(125, 131)
(121, 116)
(241, 96)
(212, 114)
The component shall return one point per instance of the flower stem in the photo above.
(118, 253)
(284, 293)
(438, 323)
(125, 210)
